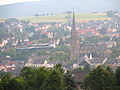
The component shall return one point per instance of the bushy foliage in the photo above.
(39, 79)
(100, 79)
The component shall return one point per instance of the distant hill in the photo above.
(54, 6)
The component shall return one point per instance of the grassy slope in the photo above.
(62, 17)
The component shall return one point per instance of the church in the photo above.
(79, 50)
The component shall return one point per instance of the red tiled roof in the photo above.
(84, 21)
(2, 67)
(46, 33)
(115, 34)
(86, 30)
(110, 30)
(95, 33)
(10, 62)
(6, 37)
(29, 42)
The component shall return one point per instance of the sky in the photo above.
(114, 2)
(5, 2)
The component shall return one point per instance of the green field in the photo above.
(83, 17)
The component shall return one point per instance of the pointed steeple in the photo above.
(91, 56)
(75, 42)
(86, 56)
(73, 23)
(73, 31)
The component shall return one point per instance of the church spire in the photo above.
(73, 23)
(75, 43)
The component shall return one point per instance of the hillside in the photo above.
(81, 17)
(25, 9)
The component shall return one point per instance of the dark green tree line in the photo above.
(39, 79)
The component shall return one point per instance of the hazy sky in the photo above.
(113, 2)
(4, 2)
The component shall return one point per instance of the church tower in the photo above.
(75, 41)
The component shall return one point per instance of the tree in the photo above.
(69, 81)
(39, 79)
(58, 66)
(36, 35)
(69, 12)
(37, 15)
(115, 52)
(77, 70)
(59, 55)
(12, 52)
(110, 13)
(117, 76)
(43, 36)
(4, 81)
(54, 81)
(2, 74)
(16, 84)
(28, 75)
(99, 79)
(41, 74)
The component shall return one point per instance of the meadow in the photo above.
(82, 17)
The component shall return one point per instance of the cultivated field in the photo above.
(83, 17)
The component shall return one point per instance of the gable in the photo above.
(83, 63)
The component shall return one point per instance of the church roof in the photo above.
(85, 61)
(110, 61)
(96, 61)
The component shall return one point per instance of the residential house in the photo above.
(3, 68)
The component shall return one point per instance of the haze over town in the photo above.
(59, 45)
